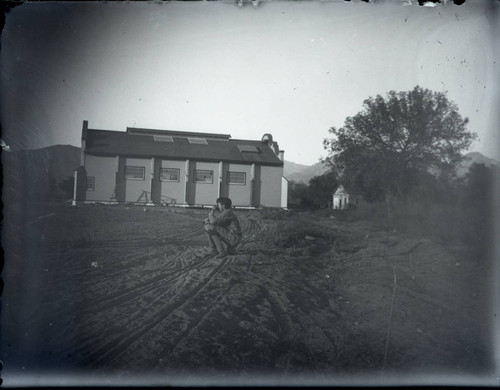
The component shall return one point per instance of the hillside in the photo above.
(31, 174)
(302, 173)
(475, 158)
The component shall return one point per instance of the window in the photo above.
(169, 174)
(134, 173)
(163, 138)
(203, 176)
(236, 178)
(248, 148)
(90, 183)
(201, 141)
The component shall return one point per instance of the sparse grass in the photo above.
(448, 223)
(373, 212)
(272, 213)
(290, 233)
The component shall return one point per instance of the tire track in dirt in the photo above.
(284, 260)
(159, 244)
(185, 237)
(77, 262)
(285, 324)
(277, 305)
(294, 326)
(130, 294)
(112, 350)
(152, 246)
(131, 318)
(79, 272)
(291, 330)
(134, 292)
(133, 260)
(254, 229)
(264, 278)
(199, 319)
(157, 253)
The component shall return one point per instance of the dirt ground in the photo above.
(124, 291)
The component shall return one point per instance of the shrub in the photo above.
(272, 213)
(286, 234)
(374, 212)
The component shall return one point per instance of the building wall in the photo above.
(340, 201)
(284, 192)
(134, 188)
(240, 194)
(256, 187)
(173, 189)
(103, 170)
(203, 193)
(270, 186)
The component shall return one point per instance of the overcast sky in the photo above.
(293, 69)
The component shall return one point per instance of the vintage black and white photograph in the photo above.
(250, 192)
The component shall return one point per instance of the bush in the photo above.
(272, 213)
(287, 234)
(374, 212)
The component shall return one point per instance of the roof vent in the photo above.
(201, 141)
(248, 148)
(163, 138)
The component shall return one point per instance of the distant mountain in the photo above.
(33, 174)
(478, 158)
(302, 173)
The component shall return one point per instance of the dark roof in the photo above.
(142, 144)
(137, 130)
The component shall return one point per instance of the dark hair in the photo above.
(225, 201)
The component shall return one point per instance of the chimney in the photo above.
(84, 130)
(84, 142)
(282, 155)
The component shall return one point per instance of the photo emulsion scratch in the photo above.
(250, 192)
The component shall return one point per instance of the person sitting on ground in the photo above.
(222, 227)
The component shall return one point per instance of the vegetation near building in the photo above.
(344, 198)
(394, 142)
(150, 166)
(317, 194)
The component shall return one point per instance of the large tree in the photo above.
(320, 190)
(394, 140)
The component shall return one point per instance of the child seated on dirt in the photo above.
(222, 227)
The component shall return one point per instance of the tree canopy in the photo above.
(318, 193)
(394, 140)
(321, 188)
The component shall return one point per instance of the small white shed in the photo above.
(342, 198)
